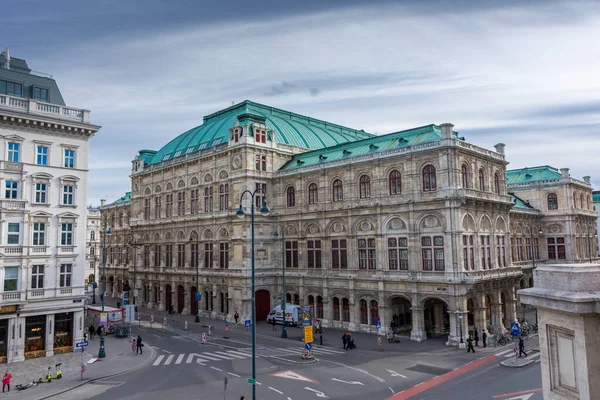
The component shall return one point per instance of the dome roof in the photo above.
(291, 129)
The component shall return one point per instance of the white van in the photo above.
(292, 315)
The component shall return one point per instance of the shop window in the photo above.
(63, 331)
(35, 336)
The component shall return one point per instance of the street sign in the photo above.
(308, 346)
(198, 296)
(514, 327)
(81, 344)
(308, 334)
(95, 285)
(378, 324)
(252, 381)
(226, 323)
(247, 323)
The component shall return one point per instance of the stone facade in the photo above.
(93, 250)
(419, 237)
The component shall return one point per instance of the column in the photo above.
(354, 321)
(49, 335)
(511, 311)
(438, 317)
(162, 295)
(480, 319)
(327, 313)
(453, 337)
(175, 296)
(497, 315)
(418, 325)
(187, 299)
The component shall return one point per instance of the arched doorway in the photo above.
(193, 302)
(401, 319)
(180, 299)
(471, 313)
(488, 310)
(436, 316)
(168, 299)
(263, 305)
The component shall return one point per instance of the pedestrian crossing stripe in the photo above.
(314, 351)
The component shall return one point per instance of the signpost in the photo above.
(308, 334)
(226, 336)
(307, 347)
(252, 381)
(247, 325)
(514, 327)
(81, 346)
(224, 386)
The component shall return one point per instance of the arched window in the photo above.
(373, 306)
(496, 183)
(574, 200)
(297, 299)
(429, 183)
(336, 309)
(481, 180)
(365, 186)
(288, 298)
(581, 201)
(345, 310)
(291, 196)
(464, 174)
(364, 312)
(395, 183)
(552, 201)
(338, 192)
(313, 193)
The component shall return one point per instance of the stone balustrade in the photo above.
(34, 107)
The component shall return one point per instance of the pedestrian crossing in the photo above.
(314, 350)
(533, 353)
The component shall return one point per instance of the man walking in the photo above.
(274, 321)
(236, 316)
(470, 345)
(484, 339)
(345, 340)
(476, 335)
(522, 347)
(139, 345)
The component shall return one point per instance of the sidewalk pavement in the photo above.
(118, 360)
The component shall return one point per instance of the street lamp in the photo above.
(264, 210)
(283, 299)
(106, 231)
(197, 318)
(460, 317)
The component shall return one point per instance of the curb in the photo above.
(85, 381)
(512, 364)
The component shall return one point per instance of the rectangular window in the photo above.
(433, 253)
(69, 161)
(194, 201)
(291, 254)
(41, 157)
(314, 253)
(193, 254)
(556, 248)
(146, 208)
(169, 255)
(66, 235)
(65, 275)
(37, 277)
(11, 279)
(169, 209)
(181, 255)
(501, 251)
(12, 190)
(13, 152)
(208, 199)
(181, 203)
(398, 254)
(260, 195)
(157, 255)
(224, 255)
(486, 262)
(520, 256)
(366, 254)
(260, 135)
(261, 162)
(157, 206)
(208, 255)
(224, 196)
(528, 248)
(339, 254)
(39, 234)
(14, 233)
(68, 191)
(40, 94)
(11, 88)
(41, 193)
(146, 256)
(468, 252)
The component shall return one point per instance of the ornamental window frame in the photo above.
(429, 178)
(395, 182)
(208, 199)
(290, 196)
(69, 191)
(468, 252)
(552, 200)
(291, 253)
(432, 247)
(464, 175)
(337, 190)
(497, 183)
(314, 251)
(313, 193)
(224, 196)
(11, 189)
(69, 156)
(42, 154)
(397, 253)
(481, 175)
(367, 255)
(339, 254)
(364, 186)
(13, 151)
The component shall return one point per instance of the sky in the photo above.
(521, 73)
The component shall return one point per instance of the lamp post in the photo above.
(460, 318)
(106, 231)
(283, 299)
(197, 318)
(264, 210)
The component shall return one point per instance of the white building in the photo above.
(93, 244)
(43, 173)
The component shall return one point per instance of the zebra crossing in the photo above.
(231, 355)
(533, 353)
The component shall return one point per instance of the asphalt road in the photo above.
(184, 368)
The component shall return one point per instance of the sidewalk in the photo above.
(118, 360)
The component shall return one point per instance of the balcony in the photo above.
(51, 293)
(8, 298)
(37, 250)
(487, 196)
(33, 107)
(12, 205)
(11, 250)
(66, 249)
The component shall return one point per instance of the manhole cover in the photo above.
(429, 369)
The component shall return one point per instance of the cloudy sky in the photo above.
(522, 73)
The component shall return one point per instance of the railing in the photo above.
(12, 297)
(12, 166)
(38, 250)
(478, 194)
(66, 249)
(13, 205)
(480, 150)
(49, 293)
(31, 106)
(12, 250)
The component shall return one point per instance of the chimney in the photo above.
(7, 58)
(586, 179)
(500, 148)
(102, 202)
(446, 130)
(564, 172)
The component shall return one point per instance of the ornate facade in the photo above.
(417, 228)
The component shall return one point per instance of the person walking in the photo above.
(99, 330)
(236, 316)
(133, 346)
(274, 322)
(522, 347)
(139, 345)
(484, 338)
(470, 344)
(345, 340)
(6, 381)
(476, 336)
(350, 344)
(92, 331)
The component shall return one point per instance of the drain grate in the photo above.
(429, 369)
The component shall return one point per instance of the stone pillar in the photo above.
(511, 311)
(354, 323)
(175, 296)
(438, 318)
(418, 325)
(187, 300)
(49, 335)
(567, 298)
(162, 295)
(454, 336)
(480, 320)
(497, 314)
(327, 313)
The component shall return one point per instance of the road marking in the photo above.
(356, 369)
(169, 359)
(218, 369)
(239, 353)
(394, 373)
(349, 383)
(179, 359)
(158, 360)
(391, 390)
(499, 396)
(292, 375)
(319, 394)
(204, 355)
(191, 358)
(438, 380)
(157, 335)
(219, 356)
(228, 355)
(275, 390)
(236, 375)
(166, 351)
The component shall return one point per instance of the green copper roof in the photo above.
(124, 199)
(596, 197)
(374, 144)
(292, 129)
(519, 203)
(532, 174)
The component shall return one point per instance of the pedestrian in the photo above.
(476, 335)
(345, 340)
(470, 345)
(133, 346)
(484, 338)
(274, 321)
(522, 347)
(99, 330)
(242, 398)
(6, 381)
(351, 344)
(92, 331)
(139, 345)
(236, 316)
